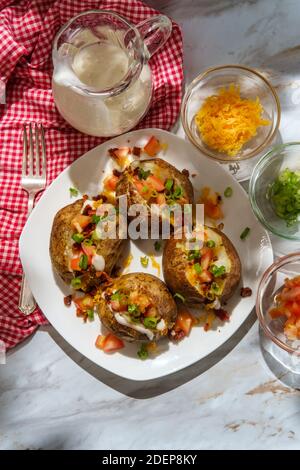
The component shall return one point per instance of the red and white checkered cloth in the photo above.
(27, 29)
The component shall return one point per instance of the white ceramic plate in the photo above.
(86, 174)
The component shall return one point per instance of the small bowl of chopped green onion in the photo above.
(274, 190)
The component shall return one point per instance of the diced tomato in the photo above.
(161, 199)
(152, 147)
(89, 250)
(118, 305)
(213, 211)
(141, 187)
(80, 222)
(276, 312)
(291, 294)
(110, 183)
(205, 276)
(109, 343)
(150, 312)
(120, 155)
(84, 303)
(74, 264)
(100, 341)
(295, 308)
(184, 322)
(155, 182)
(206, 257)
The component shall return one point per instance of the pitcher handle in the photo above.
(155, 32)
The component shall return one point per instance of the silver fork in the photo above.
(33, 181)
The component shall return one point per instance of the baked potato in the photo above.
(208, 274)
(78, 254)
(154, 181)
(138, 307)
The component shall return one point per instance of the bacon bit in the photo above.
(100, 196)
(177, 335)
(68, 300)
(88, 230)
(87, 209)
(222, 314)
(85, 197)
(220, 226)
(91, 212)
(194, 175)
(117, 172)
(137, 151)
(104, 278)
(185, 172)
(246, 292)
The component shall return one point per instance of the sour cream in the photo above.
(98, 262)
(141, 329)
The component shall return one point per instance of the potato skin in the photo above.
(152, 287)
(174, 265)
(125, 187)
(61, 243)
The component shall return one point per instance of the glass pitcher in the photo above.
(101, 83)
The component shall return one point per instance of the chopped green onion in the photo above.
(214, 287)
(228, 192)
(245, 233)
(88, 242)
(83, 262)
(157, 246)
(177, 193)
(77, 237)
(169, 184)
(90, 313)
(73, 192)
(210, 244)
(144, 261)
(193, 254)
(116, 295)
(143, 352)
(76, 282)
(95, 236)
(133, 309)
(96, 219)
(284, 194)
(150, 322)
(198, 268)
(145, 189)
(179, 296)
(217, 271)
(142, 174)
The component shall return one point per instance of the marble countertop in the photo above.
(53, 398)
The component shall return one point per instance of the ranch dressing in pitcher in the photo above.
(99, 66)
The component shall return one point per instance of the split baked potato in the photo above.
(154, 181)
(138, 307)
(207, 274)
(78, 254)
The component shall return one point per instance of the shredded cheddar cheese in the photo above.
(155, 264)
(227, 122)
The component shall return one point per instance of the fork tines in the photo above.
(34, 151)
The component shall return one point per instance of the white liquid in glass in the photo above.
(100, 66)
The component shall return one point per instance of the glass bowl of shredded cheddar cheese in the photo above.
(230, 113)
